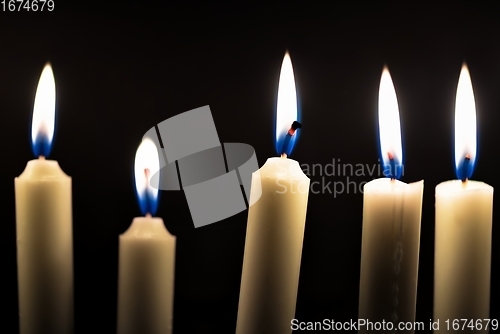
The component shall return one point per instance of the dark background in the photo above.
(123, 67)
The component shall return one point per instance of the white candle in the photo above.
(391, 229)
(275, 229)
(464, 209)
(44, 228)
(146, 259)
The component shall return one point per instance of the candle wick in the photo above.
(293, 128)
(283, 155)
(146, 172)
(392, 165)
(466, 168)
(41, 157)
(148, 215)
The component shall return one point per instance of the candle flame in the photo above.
(465, 126)
(147, 163)
(42, 125)
(389, 127)
(286, 109)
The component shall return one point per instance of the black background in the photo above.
(123, 67)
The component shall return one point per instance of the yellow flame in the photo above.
(286, 112)
(44, 108)
(388, 119)
(465, 119)
(147, 163)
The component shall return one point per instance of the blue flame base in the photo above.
(147, 204)
(464, 169)
(286, 143)
(393, 169)
(41, 146)
(291, 140)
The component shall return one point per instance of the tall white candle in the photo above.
(146, 258)
(391, 231)
(44, 228)
(464, 211)
(275, 229)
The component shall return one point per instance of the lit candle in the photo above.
(146, 258)
(44, 227)
(391, 228)
(275, 227)
(464, 210)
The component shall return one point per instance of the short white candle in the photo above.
(275, 230)
(464, 209)
(391, 228)
(146, 258)
(44, 228)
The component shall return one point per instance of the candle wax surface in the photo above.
(390, 249)
(273, 248)
(462, 264)
(44, 248)
(146, 278)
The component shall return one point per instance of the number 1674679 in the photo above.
(27, 5)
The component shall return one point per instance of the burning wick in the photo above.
(466, 167)
(147, 172)
(393, 165)
(295, 125)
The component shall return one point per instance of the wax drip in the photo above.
(397, 258)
